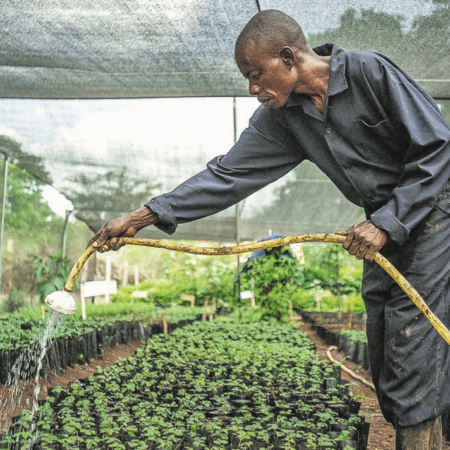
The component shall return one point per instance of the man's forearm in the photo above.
(141, 218)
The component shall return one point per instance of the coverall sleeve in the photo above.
(426, 159)
(264, 153)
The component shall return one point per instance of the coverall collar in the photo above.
(337, 81)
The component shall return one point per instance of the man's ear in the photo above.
(288, 55)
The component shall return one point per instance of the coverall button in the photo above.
(328, 130)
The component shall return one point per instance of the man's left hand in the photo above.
(364, 239)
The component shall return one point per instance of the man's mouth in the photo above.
(263, 100)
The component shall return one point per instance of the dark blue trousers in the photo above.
(409, 359)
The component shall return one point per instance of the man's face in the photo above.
(270, 77)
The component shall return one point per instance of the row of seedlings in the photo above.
(71, 342)
(352, 343)
(332, 318)
(219, 385)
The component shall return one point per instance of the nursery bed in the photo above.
(218, 386)
(74, 342)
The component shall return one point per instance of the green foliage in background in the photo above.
(32, 227)
(329, 267)
(182, 273)
(306, 300)
(323, 270)
(26, 210)
(16, 299)
(331, 278)
(35, 264)
(51, 273)
(274, 280)
(355, 335)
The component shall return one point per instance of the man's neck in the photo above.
(313, 77)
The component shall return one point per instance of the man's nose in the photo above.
(253, 88)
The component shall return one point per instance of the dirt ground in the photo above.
(15, 399)
(381, 435)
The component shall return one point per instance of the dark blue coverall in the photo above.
(384, 143)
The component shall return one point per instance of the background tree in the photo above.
(101, 197)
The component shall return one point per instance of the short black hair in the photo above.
(273, 30)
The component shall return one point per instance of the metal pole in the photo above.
(238, 206)
(65, 232)
(5, 186)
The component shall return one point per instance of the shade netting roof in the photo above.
(86, 88)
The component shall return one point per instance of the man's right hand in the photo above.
(110, 234)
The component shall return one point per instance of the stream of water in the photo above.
(30, 361)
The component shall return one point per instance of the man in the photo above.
(382, 140)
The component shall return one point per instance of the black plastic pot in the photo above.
(359, 352)
(354, 406)
(71, 352)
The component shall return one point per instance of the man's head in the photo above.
(266, 53)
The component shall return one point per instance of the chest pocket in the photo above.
(379, 142)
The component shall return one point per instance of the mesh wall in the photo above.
(173, 48)
(79, 81)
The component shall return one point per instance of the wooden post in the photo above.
(125, 273)
(83, 302)
(212, 310)
(165, 328)
(43, 312)
(136, 275)
(152, 301)
(108, 277)
(349, 319)
(204, 310)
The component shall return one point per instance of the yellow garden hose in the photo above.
(279, 242)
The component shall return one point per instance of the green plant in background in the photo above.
(274, 280)
(330, 280)
(355, 335)
(321, 273)
(30, 224)
(329, 267)
(16, 299)
(182, 273)
(51, 273)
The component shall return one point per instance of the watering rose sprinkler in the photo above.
(63, 302)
